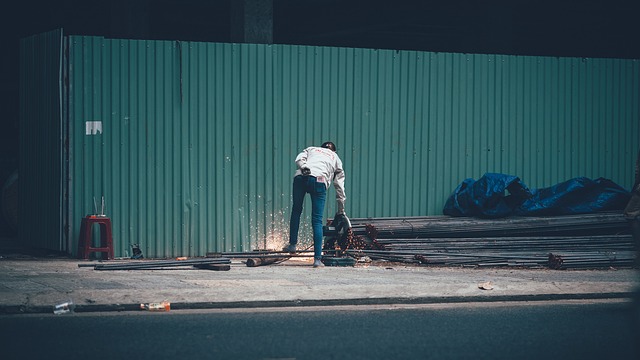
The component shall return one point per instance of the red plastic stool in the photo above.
(85, 245)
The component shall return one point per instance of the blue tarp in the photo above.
(499, 195)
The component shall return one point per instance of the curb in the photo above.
(41, 309)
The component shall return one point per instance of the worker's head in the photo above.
(329, 145)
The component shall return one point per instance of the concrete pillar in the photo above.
(252, 21)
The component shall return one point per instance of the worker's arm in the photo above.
(338, 183)
(301, 159)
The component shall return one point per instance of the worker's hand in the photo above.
(341, 222)
(306, 171)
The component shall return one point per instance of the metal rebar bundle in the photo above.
(585, 241)
(525, 243)
(446, 226)
(582, 260)
(451, 258)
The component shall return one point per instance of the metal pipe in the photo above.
(161, 263)
(261, 261)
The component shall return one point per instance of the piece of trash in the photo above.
(181, 258)
(137, 253)
(486, 285)
(364, 259)
(161, 306)
(64, 308)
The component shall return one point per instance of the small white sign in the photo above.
(93, 127)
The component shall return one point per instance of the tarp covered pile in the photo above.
(499, 195)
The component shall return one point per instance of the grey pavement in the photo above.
(35, 284)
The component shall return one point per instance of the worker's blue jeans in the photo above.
(318, 191)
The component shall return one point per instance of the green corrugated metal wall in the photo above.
(198, 140)
(40, 163)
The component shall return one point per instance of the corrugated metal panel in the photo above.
(199, 138)
(40, 141)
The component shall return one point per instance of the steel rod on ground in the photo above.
(161, 264)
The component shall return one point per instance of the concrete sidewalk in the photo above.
(35, 285)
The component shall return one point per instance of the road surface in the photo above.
(536, 330)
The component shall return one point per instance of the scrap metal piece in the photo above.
(262, 261)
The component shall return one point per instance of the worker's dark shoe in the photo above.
(317, 263)
(289, 248)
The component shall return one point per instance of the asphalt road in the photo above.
(558, 330)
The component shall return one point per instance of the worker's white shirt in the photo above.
(326, 166)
